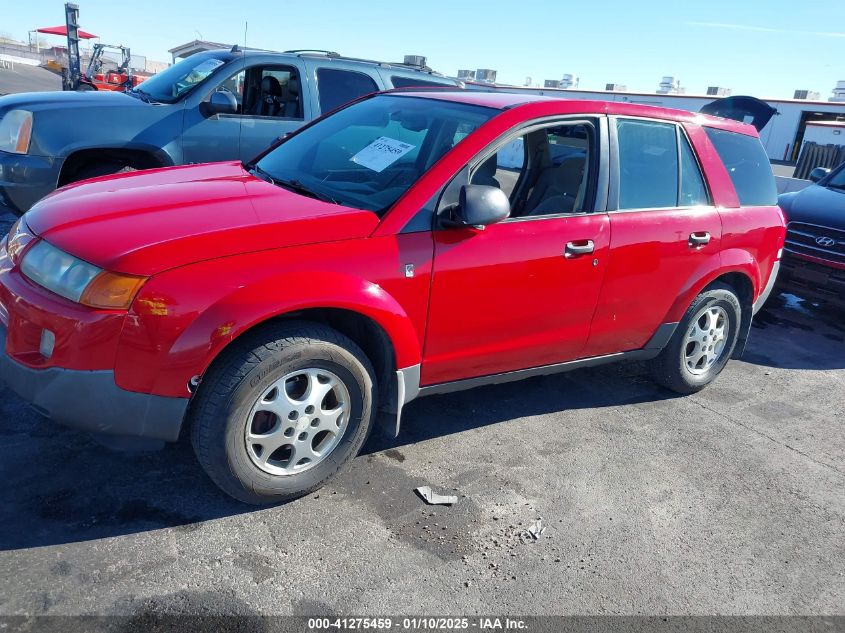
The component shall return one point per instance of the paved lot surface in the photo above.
(730, 501)
(23, 78)
(783, 170)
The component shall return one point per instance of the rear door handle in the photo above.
(581, 247)
(699, 239)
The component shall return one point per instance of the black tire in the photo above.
(238, 378)
(670, 367)
(102, 169)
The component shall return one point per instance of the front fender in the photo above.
(152, 129)
(166, 369)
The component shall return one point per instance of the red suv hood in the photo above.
(155, 220)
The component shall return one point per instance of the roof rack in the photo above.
(335, 55)
(313, 50)
(443, 88)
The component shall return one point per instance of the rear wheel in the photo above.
(283, 411)
(702, 343)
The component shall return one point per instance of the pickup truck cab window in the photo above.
(266, 91)
(235, 86)
(337, 87)
(272, 91)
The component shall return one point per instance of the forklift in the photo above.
(96, 76)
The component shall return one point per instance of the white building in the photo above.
(782, 137)
(825, 132)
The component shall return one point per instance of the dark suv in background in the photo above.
(813, 264)
(212, 106)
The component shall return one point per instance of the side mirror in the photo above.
(220, 102)
(480, 206)
(818, 173)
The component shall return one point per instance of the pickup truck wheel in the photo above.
(702, 343)
(283, 411)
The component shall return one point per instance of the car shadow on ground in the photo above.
(798, 334)
(590, 388)
(60, 486)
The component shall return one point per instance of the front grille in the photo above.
(817, 241)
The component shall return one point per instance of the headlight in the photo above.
(16, 131)
(77, 280)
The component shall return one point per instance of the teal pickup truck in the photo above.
(212, 106)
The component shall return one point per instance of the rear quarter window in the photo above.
(748, 166)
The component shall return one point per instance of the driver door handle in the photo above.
(699, 239)
(578, 248)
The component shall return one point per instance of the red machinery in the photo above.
(97, 76)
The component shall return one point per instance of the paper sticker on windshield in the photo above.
(381, 153)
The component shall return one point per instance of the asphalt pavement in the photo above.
(24, 78)
(726, 502)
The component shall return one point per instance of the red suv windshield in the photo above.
(367, 155)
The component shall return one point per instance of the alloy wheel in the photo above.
(706, 339)
(297, 422)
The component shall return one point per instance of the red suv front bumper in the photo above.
(75, 385)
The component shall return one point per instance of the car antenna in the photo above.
(235, 49)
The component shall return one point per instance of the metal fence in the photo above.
(59, 54)
(814, 155)
(19, 51)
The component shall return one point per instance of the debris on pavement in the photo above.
(433, 498)
(534, 531)
(537, 528)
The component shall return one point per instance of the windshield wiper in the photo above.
(836, 186)
(291, 185)
(297, 187)
(143, 96)
(256, 171)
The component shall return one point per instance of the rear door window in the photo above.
(748, 166)
(693, 191)
(648, 164)
(337, 87)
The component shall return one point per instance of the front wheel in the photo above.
(282, 411)
(702, 343)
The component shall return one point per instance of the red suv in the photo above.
(411, 243)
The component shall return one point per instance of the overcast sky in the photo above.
(767, 49)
